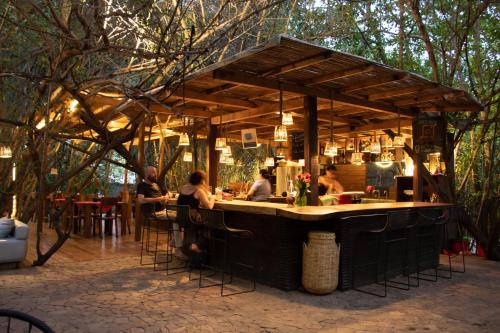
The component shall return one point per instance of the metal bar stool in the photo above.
(393, 232)
(153, 223)
(180, 215)
(432, 223)
(213, 220)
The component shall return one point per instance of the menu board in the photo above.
(297, 145)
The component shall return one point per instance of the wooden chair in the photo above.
(105, 213)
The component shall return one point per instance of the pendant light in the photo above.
(287, 119)
(184, 138)
(280, 132)
(281, 152)
(357, 157)
(227, 151)
(223, 159)
(220, 142)
(331, 146)
(399, 140)
(229, 161)
(188, 156)
(5, 152)
(375, 145)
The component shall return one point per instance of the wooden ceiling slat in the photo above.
(395, 93)
(340, 74)
(298, 64)
(374, 82)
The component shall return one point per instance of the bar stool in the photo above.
(179, 214)
(213, 220)
(395, 231)
(152, 223)
(430, 219)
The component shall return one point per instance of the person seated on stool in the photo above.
(195, 194)
(149, 196)
(261, 189)
(328, 183)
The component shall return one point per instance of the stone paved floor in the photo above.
(118, 295)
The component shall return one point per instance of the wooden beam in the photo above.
(213, 99)
(463, 108)
(311, 153)
(212, 157)
(395, 93)
(374, 82)
(340, 74)
(221, 88)
(250, 80)
(435, 96)
(293, 66)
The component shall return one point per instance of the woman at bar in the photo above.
(328, 183)
(195, 194)
(261, 189)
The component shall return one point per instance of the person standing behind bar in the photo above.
(328, 183)
(261, 189)
(152, 201)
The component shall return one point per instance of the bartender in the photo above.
(261, 189)
(328, 183)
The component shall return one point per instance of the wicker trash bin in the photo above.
(320, 263)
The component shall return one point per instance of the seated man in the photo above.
(152, 201)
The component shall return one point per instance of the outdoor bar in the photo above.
(382, 128)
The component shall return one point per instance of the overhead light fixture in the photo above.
(183, 139)
(375, 145)
(269, 162)
(280, 131)
(5, 152)
(357, 158)
(223, 159)
(73, 105)
(399, 140)
(229, 161)
(331, 146)
(227, 151)
(188, 156)
(384, 165)
(302, 162)
(281, 152)
(287, 119)
(53, 171)
(220, 142)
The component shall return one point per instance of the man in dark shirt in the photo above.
(153, 201)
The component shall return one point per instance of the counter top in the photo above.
(316, 213)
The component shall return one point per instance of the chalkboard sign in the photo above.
(297, 145)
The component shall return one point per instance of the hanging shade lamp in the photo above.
(223, 159)
(331, 146)
(227, 151)
(375, 146)
(183, 139)
(302, 162)
(287, 119)
(5, 152)
(220, 142)
(280, 132)
(388, 142)
(399, 140)
(229, 161)
(188, 156)
(269, 162)
(357, 158)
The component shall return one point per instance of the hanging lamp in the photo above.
(287, 119)
(188, 156)
(229, 161)
(375, 145)
(399, 140)
(331, 146)
(220, 142)
(281, 152)
(280, 132)
(5, 152)
(357, 157)
(184, 138)
(269, 162)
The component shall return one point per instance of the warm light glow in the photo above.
(53, 171)
(223, 159)
(167, 132)
(229, 161)
(375, 147)
(302, 162)
(357, 158)
(227, 151)
(5, 152)
(269, 162)
(331, 149)
(188, 156)
(280, 133)
(408, 166)
(281, 152)
(183, 139)
(388, 142)
(73, 105)
(398, 142)
(41, 124)
(220, 144)
(384, 165)
(287, 119)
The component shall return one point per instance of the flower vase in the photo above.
(301, 200)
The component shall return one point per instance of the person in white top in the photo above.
(261, 189)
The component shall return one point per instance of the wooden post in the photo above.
(195, 148)
(311, 156)
(418, 185)
(212, 160)
(141, 156)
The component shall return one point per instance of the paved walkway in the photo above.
(118, 295)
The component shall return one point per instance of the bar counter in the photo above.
(280, 232)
